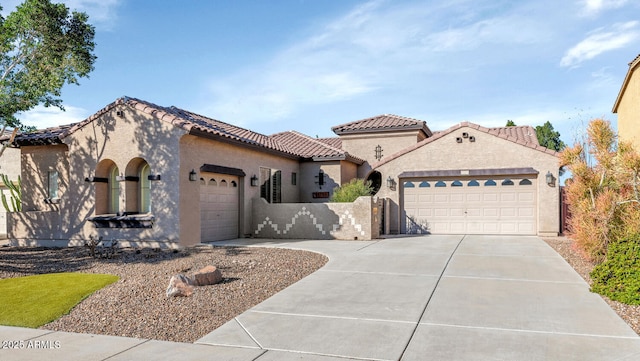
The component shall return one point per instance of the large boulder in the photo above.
(209, 275)
(179, 285)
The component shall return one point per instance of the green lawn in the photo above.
(33, 301)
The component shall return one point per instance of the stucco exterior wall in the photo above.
(196, 151)
(629, 111)
(120, 139)
(363, 145)
(309, 180)
(486, 152)
(347, 221)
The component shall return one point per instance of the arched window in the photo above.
(114, 190)
(525, 182)
(137, 187)
(424, 184)
(441, 184)
(456, 184)
(145, 189)
(473, 183)
(507, 182)
(409, 185)
(490, 183)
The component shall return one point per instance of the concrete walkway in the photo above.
(413, 298)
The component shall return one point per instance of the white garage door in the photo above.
(470, 206)
(218, 207)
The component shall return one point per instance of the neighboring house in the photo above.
(627, 105)
(163, 176)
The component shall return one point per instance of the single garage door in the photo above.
(218, 207)
(470, 206)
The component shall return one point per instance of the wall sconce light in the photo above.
(193, 176)
(320, 177)
(391, 183)
(551, 180)
(254, 180)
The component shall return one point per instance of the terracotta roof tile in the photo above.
(381, 123)
(523, 135)
(335, 142)
(183, 119)
(308, 147)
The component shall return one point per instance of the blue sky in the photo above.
(305, 65)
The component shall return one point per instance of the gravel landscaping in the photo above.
(137, 306)
(564, 247)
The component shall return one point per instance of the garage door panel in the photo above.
(508, 207)
(219, 208)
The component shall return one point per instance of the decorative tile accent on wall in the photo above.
(345, 218)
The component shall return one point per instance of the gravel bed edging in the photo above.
(565, 248)
(137, 306)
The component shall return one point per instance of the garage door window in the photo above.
(409, 185)
(456, 184)
(424, 184)
(441, 184)
(525, 182)
(507, 182)
(473, 183)
(489, 183)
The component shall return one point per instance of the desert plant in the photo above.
(619, 276)
(349, 192)
(15, 192)
(604, 192)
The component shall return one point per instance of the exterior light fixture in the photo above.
(320, 177)
(391, 183)
(193, 176)
(254, 180)
(551, 180)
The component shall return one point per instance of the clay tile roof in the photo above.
(632, 67)
(524, 135)
(335, 142)
(193, 123)
(382, 123)
(312, 148)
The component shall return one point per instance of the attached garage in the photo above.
(219, 202)
(494, 201)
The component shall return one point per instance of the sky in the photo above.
(273, 66)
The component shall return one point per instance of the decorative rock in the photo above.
(179, 285)
(209, 275)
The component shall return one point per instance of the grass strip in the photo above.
(33, 301)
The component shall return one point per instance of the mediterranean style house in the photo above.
(627, 106)
(165, 176)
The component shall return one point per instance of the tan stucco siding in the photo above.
(629, 112)
(486, 152)
(363, 146)
(37, 161)
(195, 151)
(309, 180)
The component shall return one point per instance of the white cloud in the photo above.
(601, 41)
(376, 46)
(42, 117)
(594, 7)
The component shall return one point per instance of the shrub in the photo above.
(604, 193)
(351, 191)
(618, 277)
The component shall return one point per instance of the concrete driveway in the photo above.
(413, 298)
(435, 298)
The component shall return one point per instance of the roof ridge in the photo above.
(455, 127)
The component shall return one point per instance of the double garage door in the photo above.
(470, 206)
(219, 207)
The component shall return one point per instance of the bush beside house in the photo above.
(604, 199)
